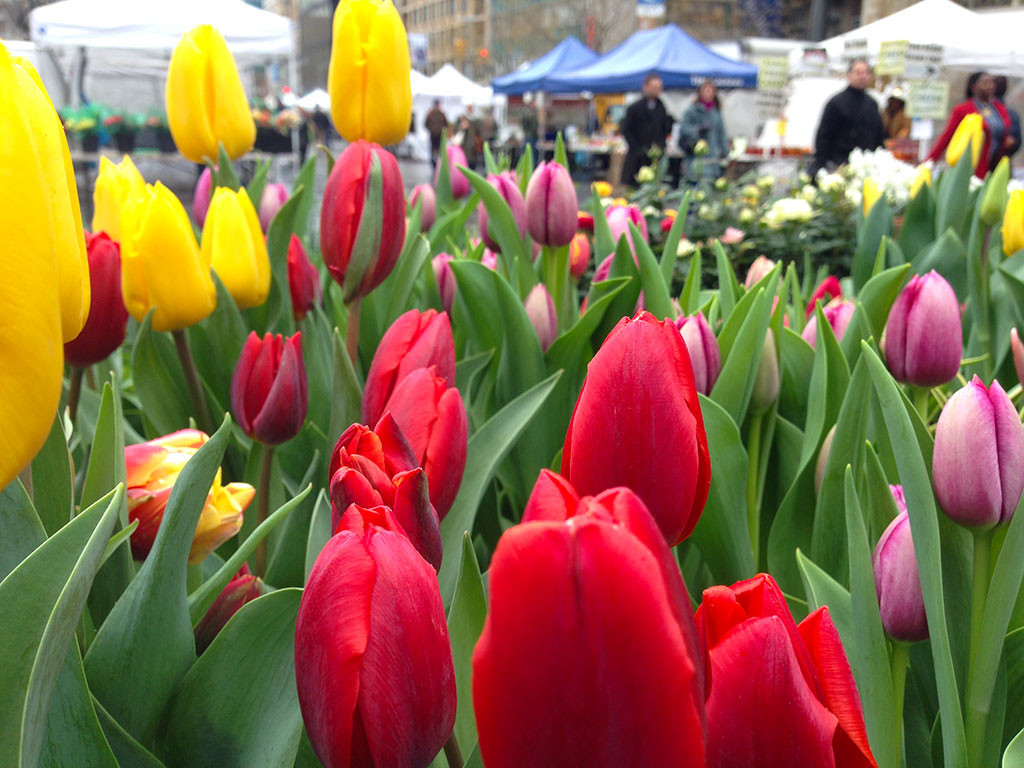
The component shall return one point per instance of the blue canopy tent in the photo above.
(668, 51)
(567, 55)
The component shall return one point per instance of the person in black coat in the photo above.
(850, 120)
(646, 124)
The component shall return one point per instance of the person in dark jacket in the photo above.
(1014, 130)
(436, 123)
(850, 120)
(703, 121)
(646, 124)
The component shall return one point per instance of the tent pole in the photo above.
(296, 84)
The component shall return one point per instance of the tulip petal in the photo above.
(552, 498)
(416, 515)
(283, 411)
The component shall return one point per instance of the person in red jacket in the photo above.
(980, 90)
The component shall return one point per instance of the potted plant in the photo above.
(123, 129)
(85, 128)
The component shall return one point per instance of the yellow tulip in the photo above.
(115, 184)
(872, 194)
(972, 130)
(162, 267)
(1013, 223)
(368, 76)
(602, 189)
(924, 177)
(233, 245)
(206, 103)
(44, 272)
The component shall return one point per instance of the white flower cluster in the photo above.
(785, 210)
(893, 176)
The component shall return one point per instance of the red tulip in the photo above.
(588, 655)
(638, 424)
(303, 280)
(827, 289)
(585, 222)
(508, 188)
(789, 686)
(579, 255)
(415, 340)
(373, 662)
(342, 219)
(374, 468)
(432, 417)
(240, 590)
(268, 391)
(103, 331)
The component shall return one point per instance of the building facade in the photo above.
(458, 32)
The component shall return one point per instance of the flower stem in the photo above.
(984, 333)
(74, 391)
(352, 332)
(452, 752)
(195, 386)
(898, 664)
(263, 508)
(979, 594)
(753, 474)
(921, 403)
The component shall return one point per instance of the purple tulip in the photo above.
(923, 337)
(551, 205)
(838, 312)
(459, 183)
(445, 279)
(428, 212)
(702, 345)
(978, 462)
(619, 219)
(507, 187)
(540, 308)
(897, 582)
(274, 197)
(201, 196)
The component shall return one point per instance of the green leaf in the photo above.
(143, 649)
(670, 247)
(130, 754)
(821, 589)
(487, 448)
(223, 174)
(735, 383)
(652, 281)
(947, 256)
(347, 400)
(40, 604)
(951, 196)
(216, 344)
(877, 226)
(106, 457)
(319, 529)
(830, 377)
(924, 528)
(1013, 757)
(304, 181)
(603, 243)
(689, 299)
(238, 705)
(159, 382)
(255, 187)
(287, 547)
(22, 529)
(465, 623)
(562, 158)
(401, 282)
(728, 287)
(500, 223)
(918, 229)
(53, 480)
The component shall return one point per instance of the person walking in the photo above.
(702, 121)
(849, 121)
(469, 133)
(435, 122)
(646, 124)
(981, 87)
(1015, 133)
(528, 120)
(895, 121)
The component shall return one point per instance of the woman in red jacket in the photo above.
(980, 90)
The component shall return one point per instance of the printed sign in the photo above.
(892, 57)
(772, 73)
(922, 61)
(928, 99)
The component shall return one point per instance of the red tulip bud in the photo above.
(428, 212)
(104, 329)
(303, 280)
(273, 199)
(923, 337)
(540, 308)
(579, 255)
(551, 206)
(268, 391)
(827, 290)
(585, 222)
(240, 590)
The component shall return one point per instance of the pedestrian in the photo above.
(469, 136)
(645, 125)
(435, 122)
(1000, 94)
(488, 128)
(849, 121)
(702, 121)
(980, 98)
(530, 124)
(895, 121)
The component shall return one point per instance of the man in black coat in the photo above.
(851, 119)
(646, 124)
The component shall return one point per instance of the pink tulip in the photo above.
(923, 338)
(705, 356)
(274, 197)
(897, 582)
(445, 279)
(838, 312)
(540, 308)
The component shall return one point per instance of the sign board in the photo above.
(770, 104)
(928, 99)
(922, 61)
(419, 50)
(854, 49)
(814, 62)
(650, 9)
(772, 73)
(892, 57)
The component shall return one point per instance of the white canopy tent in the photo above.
(454, 91)
(449, 82)
(318, 98)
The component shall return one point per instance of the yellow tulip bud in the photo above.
(1013, 223)
(602, 189)
(233, 245)
(44, 272)
(970, 131)
(924, 177)
(872, 194)
(368, 77)
(115, 184)
(162, 267)
(206, 103)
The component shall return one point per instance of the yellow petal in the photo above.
(871, 194)
(232, 119)
(924, 177)
(221, 518)
(31, 343)
(1013, 223)
(233, 245)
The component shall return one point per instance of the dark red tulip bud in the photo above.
(268, 391)
(240, 590)
(103, 331)
(303, 280)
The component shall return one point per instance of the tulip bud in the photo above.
(240, 590)
(115, 184)
(638, 424)
(201, 196)
(759, 269)
(433, 418)
(970, 131)
(923, 178)
(456, 159)
(585, 222)
(766, 383)
(1018, 354)
(871, 194)
(827, 290)
(162, 267)
(234, 246)
(579, 255)
(368, 74)
(303, 280)
(1013, 223)
(361, 250)
(445, 278)
(104, 330)
(507, 187)
(540, 308)
(923, 334)
(897, 583)
(274, 197)
(702, 346)
(428, 211)
(602, 188)
(993, 202)
(489, 259)
(551, 205)
(822, 463)
(373, 662)
(619, 219)
(838, 312)
(152, 470)
(978, 461)
(268, 389)
(206, 103)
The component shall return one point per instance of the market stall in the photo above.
(568, 55)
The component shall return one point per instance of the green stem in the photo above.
(195, 386)
(898, 664)
(753, 465)
(984, 334)
(263, 508)
(452, 752)
(976, 721)
(74, 391)
(921, 402)
(352, 331)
